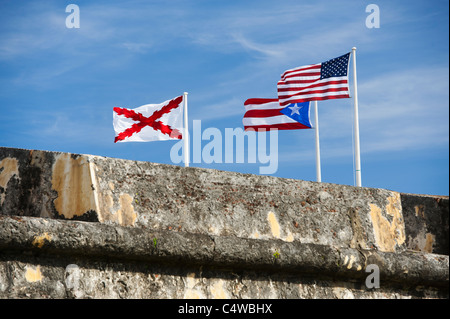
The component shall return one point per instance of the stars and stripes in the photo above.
(322, 81)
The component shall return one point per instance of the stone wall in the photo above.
(93, 227)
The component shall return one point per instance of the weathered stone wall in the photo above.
(426, 223)
(145, 230)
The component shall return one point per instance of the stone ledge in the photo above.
(146, 230)
(127, 244)
(211, 202)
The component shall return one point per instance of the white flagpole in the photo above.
(186, 132)
(356, 126)
(316, 119)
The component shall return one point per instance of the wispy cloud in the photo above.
(223, 109)
(406, 109)
(266, 50)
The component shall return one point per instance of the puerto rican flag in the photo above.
(150, 122)
(266, 114)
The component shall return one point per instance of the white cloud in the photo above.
(407, 109)
(273, 51)
(223, 109)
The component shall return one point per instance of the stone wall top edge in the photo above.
(202, 169)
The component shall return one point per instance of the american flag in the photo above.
(322, 81)
(266, 114)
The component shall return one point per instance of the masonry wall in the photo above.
(92, 227)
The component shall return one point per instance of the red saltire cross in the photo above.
(149, 121)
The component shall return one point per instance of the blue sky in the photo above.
(58, 86)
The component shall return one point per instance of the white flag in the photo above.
(150, 122)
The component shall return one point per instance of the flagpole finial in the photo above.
(354, 49)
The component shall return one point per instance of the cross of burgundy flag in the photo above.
(150, 122)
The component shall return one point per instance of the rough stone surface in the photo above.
(131, 259)
(156, 196)
(426, 223)
(82, 226)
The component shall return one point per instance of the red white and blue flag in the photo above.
(322, 81)
(150, 122)
(266, 114)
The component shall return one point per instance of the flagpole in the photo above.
(186, 132)
(316, 119)
(356, 125)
